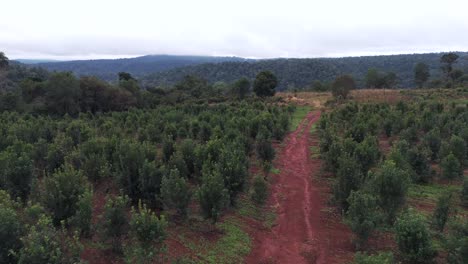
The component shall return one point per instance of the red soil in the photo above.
(306, 230)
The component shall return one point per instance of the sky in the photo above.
(92, 29)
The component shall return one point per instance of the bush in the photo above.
(175, 192)
(349, 178)
(149, 232)
(413, 238)
(62, 191)
(390, 185)
(149, 182)
(234, 169)
(259, 190)
(10, 230)
(16, 172)
(362, 215)
(464, 193)
(265, 151)
(115, 220)
(451, 168)
(212, 194)
(84, 213)
(45, 245)
(381, 258)
(457, 241)
(418, 159)
(442, 211)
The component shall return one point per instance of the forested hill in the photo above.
(108, 69)
(302, 72)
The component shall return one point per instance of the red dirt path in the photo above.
(304, 231)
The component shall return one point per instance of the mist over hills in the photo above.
(164, 70)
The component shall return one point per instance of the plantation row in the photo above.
(428, 144)
(163, 158)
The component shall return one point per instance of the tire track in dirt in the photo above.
(295, 237)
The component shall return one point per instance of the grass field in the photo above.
(298, 116)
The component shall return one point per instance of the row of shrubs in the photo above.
(371, 184)
(163, 158)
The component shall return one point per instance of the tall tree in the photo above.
(447, 61)
(342, 86)
(265, 84)
(63, 94)
(421, 74)
(4, 62)
(241, 88)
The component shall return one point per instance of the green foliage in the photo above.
(62, 191)
(212, 194)
(265, 84)
(149, 232)
(175, 192)
(259, 192)
(362, 216)
(115, 220)
(342, 86)
(63, 93)
(16, 170)
(241, 88)
(421, 74)
(349, 178)
(84, 213)
(464, 193)
(413, 238)
(419, 161)
(442, 211)
(264, 148)
(451, 168)
(43, 244)
(10, 230)
(390, 185)
(381, 258)
(233, 166)
(457, 241)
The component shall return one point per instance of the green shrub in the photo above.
(259, 192)
(390, 185)
(175, 192)
(84, 213)
(456, 242)
(10, 230)
(451, 168)
(349, 178)
(149, 233)
(212, 194)
(413, 238)
(115, 221)
(442, 211)
(62, 191)
(43, 244)
(362, 216)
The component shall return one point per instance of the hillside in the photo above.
(107, 69)
(301, 72)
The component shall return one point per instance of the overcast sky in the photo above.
(83, 29)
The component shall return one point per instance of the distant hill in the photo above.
(108, 69)
(301, 72)
(34, 61)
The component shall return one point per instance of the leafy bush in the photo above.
(115, 220)
(84, 213)
(390, 185)
(175, 192)
(259, 190)
(10, 230)
(43, 244)
(457, 241)
(362, 215)
(342, 86)
(62, 191)
(212, 194)
(451, 168)
(413, 238)
(149, 232)
(442, 211)
(349, 178)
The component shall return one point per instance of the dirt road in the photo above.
(301, 233)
